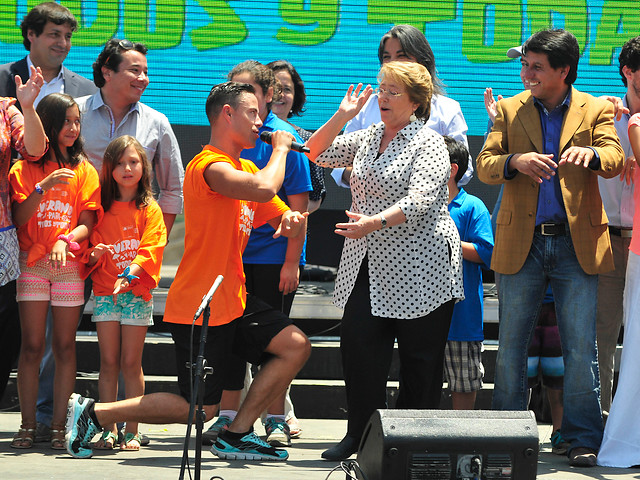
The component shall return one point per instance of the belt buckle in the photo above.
(626, 233)
(542, 229)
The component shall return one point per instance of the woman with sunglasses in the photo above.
(401, 267)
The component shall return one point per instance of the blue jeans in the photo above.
(552, 259)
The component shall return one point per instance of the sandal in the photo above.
(25, 437)
(57, 437)
(131, 442)
(107, 441)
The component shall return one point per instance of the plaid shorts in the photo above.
(463, 367)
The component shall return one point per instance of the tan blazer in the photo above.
(588, 123)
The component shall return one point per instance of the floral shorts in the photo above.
(129, 310)
(43, 282)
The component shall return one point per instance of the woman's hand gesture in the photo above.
(353, 101)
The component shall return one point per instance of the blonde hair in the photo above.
(416, 80)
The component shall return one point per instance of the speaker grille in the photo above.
(498, 466)
(428, 466)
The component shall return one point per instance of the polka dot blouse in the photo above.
(410, 272)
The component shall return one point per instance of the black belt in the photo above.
(621, 232)
(552, 229)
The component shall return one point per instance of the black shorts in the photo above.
(247, 337)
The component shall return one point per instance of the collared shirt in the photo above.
(474, 226)
(445, 118)
(550, 203)
(55, 85)
(617, 196)
(151, 128)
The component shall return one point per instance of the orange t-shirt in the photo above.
(217, 229)
(138, 236)
(59, 207)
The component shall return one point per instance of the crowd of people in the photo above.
(78, 215)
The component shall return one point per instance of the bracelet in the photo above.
(68, 239)
(39, 189)
(128, 275)
(383, 222)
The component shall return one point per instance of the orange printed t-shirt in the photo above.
(59, 207)
(217, 229)
(138, 236)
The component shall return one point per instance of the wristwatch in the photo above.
(383, 221)
(39, 189)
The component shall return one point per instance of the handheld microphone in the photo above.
(298, 147)
(207, 298)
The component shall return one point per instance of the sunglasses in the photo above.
(122, 45)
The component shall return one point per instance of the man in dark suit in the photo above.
(47, 31)
(548, 146)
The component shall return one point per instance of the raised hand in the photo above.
(354, 100)
(490, 103)
(28, 92)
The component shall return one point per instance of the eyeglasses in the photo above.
(123, 45)
(383, 91)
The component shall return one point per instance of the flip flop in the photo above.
(131, 442)
(107, 441)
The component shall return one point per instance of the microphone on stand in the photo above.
(298, 147)
(207, 298)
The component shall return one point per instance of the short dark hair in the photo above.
(629, 57)
(111, 57)
(299, 95)
(52, 111)
(458, 154)
(261, 74)
(227, 93)
(414, 44)
(38, 17)
(561, 48)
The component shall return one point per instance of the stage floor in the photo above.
(162, 458)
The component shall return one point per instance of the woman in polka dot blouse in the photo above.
(401, 267)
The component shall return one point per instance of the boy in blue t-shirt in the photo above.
(463, 353)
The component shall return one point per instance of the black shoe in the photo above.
(343, 450)
(582, 457)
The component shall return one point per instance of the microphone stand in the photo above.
(200, 375)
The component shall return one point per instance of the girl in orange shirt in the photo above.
(125, 265)
(56, 201)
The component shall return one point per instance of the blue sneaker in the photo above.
(210, 436)
(249, 447)
(80, 429)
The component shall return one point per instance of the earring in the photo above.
(412, 117)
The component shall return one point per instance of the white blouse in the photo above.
(410, 273)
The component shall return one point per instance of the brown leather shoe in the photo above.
(582, 457)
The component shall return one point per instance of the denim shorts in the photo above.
(129, 310)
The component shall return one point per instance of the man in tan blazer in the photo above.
(548, 145)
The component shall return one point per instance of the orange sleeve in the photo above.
(271, 209)
(152, 242)
(89, 192)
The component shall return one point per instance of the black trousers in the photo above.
(366, 345)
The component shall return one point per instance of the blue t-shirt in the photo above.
(262, 247)
(474, 225)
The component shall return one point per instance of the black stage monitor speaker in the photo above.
(449, 444)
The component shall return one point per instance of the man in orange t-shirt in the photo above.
(224, 197)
